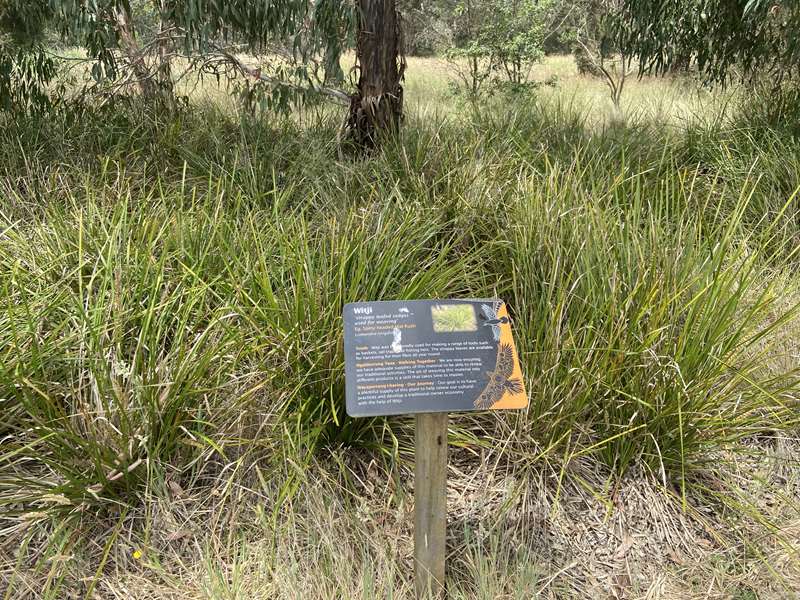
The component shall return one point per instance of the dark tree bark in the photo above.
(377, 107)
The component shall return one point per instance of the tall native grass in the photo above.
(113, 353)
(301, 271)
(171, 293)
(645, 329)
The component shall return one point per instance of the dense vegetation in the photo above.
(182, 221)
(172, 287)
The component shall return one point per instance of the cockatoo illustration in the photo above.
(398, 336)
(492, 320)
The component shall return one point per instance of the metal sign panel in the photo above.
(420, 356)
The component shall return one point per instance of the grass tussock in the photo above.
(171, 289)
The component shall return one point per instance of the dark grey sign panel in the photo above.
(421, 356)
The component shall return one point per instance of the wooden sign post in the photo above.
(430, 358)
(430, 503)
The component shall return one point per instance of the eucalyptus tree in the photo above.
(213, 33)
(23, 64)
(725, 38)
(598, 45)
(495, 41)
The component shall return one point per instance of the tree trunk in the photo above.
(129, 45)
(155, 83)
(165, 84)
(377, 107)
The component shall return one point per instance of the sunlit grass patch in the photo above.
(453, 317)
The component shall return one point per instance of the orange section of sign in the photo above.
(514, 395)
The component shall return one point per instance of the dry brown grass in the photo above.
(543, 533)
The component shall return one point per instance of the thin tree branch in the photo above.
(338, 95)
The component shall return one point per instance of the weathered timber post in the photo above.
(419, 357)
(430, 504)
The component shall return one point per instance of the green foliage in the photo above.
(656, 321)
(22, 22)
(599, 47)
(593, 33)
(515, 37)
(179, 303)
(499, 41)
(771, 108)
(133, 343)
(725, 38)
(301, 274)
(25, 68)
(122, 38)
(255, 23)
(23, 76)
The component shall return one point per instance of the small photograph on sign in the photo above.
(453, 317)
(420, 356)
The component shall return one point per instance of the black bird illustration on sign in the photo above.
(492, 320)
(500, 380)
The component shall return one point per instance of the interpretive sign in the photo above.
(423, 356)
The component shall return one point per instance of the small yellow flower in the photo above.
(137, 554)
